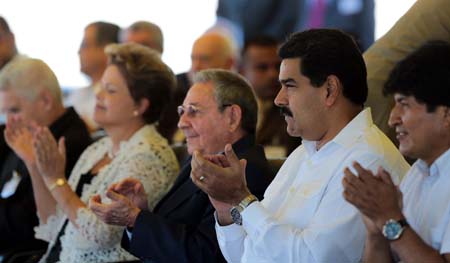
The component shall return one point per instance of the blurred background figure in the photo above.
(210, 51)
(8, 49)
(281, 18)
(30, 91)
(260, 64)
(92, 63)
(145, 33)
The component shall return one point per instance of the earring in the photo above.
(135, 113)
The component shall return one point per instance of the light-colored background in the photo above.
(52, 30)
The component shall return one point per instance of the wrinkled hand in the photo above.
(19, 138)
(133, 190)
(50, 156)
(224, 184)
(121, 211)
(375, 196)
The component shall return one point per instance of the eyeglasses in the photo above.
(192, 110)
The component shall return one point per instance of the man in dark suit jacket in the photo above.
(220, 108)
(29, 89)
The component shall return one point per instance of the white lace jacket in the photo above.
(145, 156)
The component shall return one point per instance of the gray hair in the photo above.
(153, 29)
(28, 76)
(231, 88)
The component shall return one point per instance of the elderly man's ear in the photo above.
(234, 117)
(47, 99)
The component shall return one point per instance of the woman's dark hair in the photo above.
(146, 76)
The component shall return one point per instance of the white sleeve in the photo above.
(231, 241)
(322, 241)
(335, 233)
(50, 230)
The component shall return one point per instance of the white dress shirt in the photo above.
(304, 217)
(426, 200)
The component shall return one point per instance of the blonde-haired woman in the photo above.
(135, 88)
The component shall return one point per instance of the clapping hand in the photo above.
(133, 190)
(50, 156)
(19, 138)
(376, 196)
(128, 198)
(222, 178)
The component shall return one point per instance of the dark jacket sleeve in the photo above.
(157, 239)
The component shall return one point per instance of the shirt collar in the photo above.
(441, 165)
(348, 134)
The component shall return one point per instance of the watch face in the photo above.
(236, 215)
(392, 230)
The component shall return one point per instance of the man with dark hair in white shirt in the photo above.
(303, 216)
(420, 230)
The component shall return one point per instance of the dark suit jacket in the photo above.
(18, 212)
(181, 227)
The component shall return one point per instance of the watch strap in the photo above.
(57, 183)
(247, 201)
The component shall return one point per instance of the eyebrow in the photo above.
(287, 81)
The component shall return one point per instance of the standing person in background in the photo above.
(93, 63)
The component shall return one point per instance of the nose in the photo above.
(281, 98)
(183, 121)
(394, 117)
(99, 93)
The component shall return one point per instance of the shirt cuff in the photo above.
(129, 234)
(255, 218)
(230, 232)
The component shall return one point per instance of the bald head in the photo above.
(147, 34)
(212, 51)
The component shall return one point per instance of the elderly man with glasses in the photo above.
(219, 108)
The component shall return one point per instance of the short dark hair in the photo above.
(231, 88)
(106, 33)
(4, 25)
(260, 41)
(424, 74)
(325, 52)
(147, 76)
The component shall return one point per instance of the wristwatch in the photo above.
(59, 182)
(393, 229)
(236, 211)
